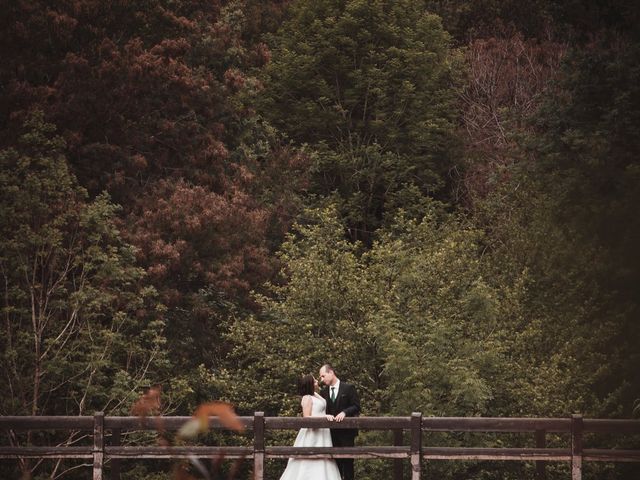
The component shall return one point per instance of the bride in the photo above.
(313, 405)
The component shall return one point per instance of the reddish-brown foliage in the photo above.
(191, 237)
(224, 411)
(507, 77)
(148, 403)
(149, 97)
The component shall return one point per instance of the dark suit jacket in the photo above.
(347, 401)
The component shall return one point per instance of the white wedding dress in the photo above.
(313, 469)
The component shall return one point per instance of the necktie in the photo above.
(333, 394)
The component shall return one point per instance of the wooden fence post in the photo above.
(576, 446)
(258, 446)
(397, 463)
(541, 442)
(416, 445)
(115, 463)
(98, 446)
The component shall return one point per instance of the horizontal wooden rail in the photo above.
(164, 423)
(46, 452)
(519, 454)
(170, 452)
(496, 424)
(602, 455)
(416, 452)
(445, 424)
(338, 452)
(434, 424)
(367, 423)
(46, 423)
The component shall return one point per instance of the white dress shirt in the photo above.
(336, 387)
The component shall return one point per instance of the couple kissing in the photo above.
(335, 401)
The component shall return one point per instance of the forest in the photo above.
(214, 197)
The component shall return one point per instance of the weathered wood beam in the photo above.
(46, 423)
(607, 455)
(369, 423)
(98, 446)
(398, 467)
(338, 452)
(416, 445)
(136, 452)
(576, 446)
(495, 424)
(518, 454)
(47, 452)
(258, 445)
(165, 423)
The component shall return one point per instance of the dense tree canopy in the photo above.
(152, 99)
(369, 85)
(381, 316)
(81, 331)
(439, 197)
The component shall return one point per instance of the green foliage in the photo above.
(369, 86)
(73, 297)
(156, 106)
(411, 322)
(81, 331)
(526, 307)
(316, 316)
(575, 20)
(438, 316)
(567, 219)
(468, 20)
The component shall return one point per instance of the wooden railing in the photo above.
(416, 451)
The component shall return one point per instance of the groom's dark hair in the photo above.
(306, 384)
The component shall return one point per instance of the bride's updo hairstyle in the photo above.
(306, 384)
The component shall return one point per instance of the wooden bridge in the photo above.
(409, 441)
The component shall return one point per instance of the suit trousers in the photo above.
(345, 465)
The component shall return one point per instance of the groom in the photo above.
(342, 401)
